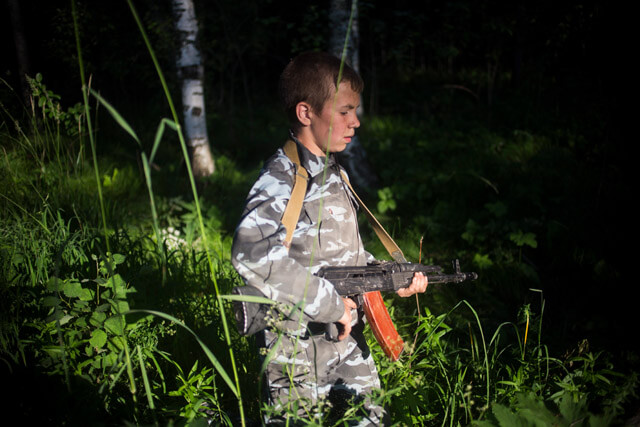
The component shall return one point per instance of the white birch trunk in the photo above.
(191, 74)
(354, 157)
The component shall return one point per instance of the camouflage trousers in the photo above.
(314, 377)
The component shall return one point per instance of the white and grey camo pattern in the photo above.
(258, 253)
(326, 234)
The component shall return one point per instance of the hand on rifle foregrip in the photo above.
(418, 286)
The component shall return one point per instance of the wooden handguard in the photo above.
(382, 325)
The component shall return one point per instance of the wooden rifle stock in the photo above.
(381, 325)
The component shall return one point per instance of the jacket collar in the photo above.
(312, 163)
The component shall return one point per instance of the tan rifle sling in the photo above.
(294, 206)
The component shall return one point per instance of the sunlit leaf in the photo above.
(98, 338)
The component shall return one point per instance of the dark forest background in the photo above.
(493, 129)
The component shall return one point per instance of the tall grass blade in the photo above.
(116, 116)
(145, 379)
(154, 215)
(484, 346)
(159, 133)
(145, 164)
(212, 358)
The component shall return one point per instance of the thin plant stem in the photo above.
(89, 126)
(415, 336)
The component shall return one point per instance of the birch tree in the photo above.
(354, 157)
(191, 75)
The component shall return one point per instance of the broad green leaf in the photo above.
(118, 258)
(116, 282)
(114, 325)
(81, 322)
(109, 359)
(54, 284)
(102, 308)
(98, 338)
(72, 289)
(86, 295)
(482, 261)
(57, 314)
(65, 319)
(50, 301)
(121, 306)
(504, 416)
(520, 238)
(97, 318)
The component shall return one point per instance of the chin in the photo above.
(338, 148)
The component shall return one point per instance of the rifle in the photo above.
(365, 283)
(387, 276)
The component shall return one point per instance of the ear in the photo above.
(304, 113)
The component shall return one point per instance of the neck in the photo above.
(306, 138)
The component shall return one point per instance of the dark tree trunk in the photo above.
(21, 48)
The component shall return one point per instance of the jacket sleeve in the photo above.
(259, 256)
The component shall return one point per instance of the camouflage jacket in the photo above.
(326, 234)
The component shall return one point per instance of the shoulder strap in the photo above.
(294, 206)
(391, 246)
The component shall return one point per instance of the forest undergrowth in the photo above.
(118, 321)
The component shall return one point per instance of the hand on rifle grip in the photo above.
(344, 324)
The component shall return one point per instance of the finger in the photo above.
(350, 303)
(419, 283)
(346, 330)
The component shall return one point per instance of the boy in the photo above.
(307, 367)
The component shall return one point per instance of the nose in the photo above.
(355, 122)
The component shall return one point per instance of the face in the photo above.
(336, 124)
